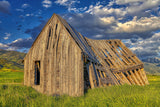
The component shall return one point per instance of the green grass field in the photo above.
(10, 77)
(14, 94)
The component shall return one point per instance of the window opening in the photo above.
(37, 73)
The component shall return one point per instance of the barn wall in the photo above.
(36, 53)
(61, 70)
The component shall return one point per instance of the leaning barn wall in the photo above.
(124, 65)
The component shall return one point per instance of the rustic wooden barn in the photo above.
(62, 61)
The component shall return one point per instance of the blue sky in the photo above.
(135, 22)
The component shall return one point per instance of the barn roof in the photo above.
(80, 40)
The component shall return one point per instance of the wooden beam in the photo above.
(124, 78)
(138, 77)
(134, 78)
(130, 78)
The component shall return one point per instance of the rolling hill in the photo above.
(152, 65)
(11, 60)
(152, 68)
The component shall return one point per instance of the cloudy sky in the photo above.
(135, 22)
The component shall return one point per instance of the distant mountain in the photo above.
(152, 68)
(152, 60)
(152, 65)
(11, 59)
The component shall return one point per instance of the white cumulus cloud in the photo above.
(101, 10)
(25, 6)
(20, 10)
(7, 35)
(70, 4)
(3, 46)
(146, 47)
(5, 38)
(138, 25)
(47, 3)
(5, 7)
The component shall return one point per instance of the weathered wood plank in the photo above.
(138, 77)
(134, 78)
(124, 78)
(130, 78)
(144, 75)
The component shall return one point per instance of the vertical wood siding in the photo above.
(61, 70)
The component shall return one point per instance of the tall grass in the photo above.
(11, 77)
(113, 96)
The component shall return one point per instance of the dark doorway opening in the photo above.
(37, 73)
(86, 77)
